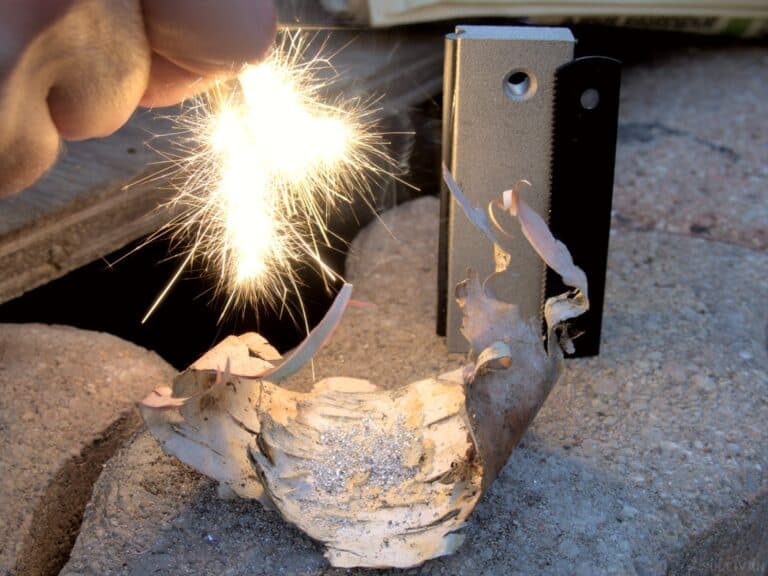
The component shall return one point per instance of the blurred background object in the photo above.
(746, 18)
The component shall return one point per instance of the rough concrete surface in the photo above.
(650, 459)
(66, 406)
(693, 145)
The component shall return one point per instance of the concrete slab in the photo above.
(67, 404)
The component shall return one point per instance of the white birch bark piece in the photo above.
(383, 478)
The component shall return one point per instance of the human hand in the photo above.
(77, 69)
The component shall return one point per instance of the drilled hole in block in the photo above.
(520, 85)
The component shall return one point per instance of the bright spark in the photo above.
(267, 161)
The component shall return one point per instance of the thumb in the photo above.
(210, 37)
(195, 43)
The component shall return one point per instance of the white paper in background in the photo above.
(746, 18)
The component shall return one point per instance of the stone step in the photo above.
(67, 404)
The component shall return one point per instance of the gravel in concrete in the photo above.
(693, 146)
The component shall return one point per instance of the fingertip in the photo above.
(258, 32)
(211, 38)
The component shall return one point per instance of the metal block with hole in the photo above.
(497, 128)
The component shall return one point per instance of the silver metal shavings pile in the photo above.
(371, 451)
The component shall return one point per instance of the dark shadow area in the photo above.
(114, 294)
(114, 298)
(630, 45)
(56, 520)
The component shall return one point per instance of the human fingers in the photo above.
(196, 42)
(100, 59)
(29, 141)
(72, 67)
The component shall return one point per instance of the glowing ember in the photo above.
(269, 162)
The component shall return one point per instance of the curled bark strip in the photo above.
(162, 398)
(549, 249)
(475, 215)
(316, 339)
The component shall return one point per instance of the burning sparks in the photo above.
(267, 161)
